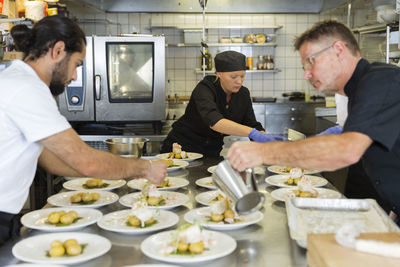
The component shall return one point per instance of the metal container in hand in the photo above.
(245, 195)
(126, 146)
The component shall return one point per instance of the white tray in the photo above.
(306, 221)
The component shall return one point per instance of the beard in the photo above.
(59, 77)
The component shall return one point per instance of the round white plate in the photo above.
(202, 215)
(35, 265)
(280, 180)
(207, 198)
(63, 199)
(191, 156)
(257, 170)
(282, 194)
(116, 222)
(174, 183)
(37, 219)
(223, 245)
(206, 182)
(34, 249)
(151, 265)
(77, 184)
(281, 170)
(179, 165)
(172, 199)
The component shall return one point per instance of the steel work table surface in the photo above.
(264, 244)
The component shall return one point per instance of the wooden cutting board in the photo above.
(324, 251)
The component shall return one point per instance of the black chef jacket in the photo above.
(207, 105)
(374, 110)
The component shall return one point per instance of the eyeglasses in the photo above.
(310, 61)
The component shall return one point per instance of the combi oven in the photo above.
(122, 80)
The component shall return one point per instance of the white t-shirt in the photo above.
(341, 108)
(28, 114)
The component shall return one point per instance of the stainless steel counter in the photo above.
(264, 244)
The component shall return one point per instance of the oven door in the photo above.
(129, 78)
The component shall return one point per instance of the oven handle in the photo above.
(97, 86)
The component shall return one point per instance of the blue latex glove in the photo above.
(262, 137)
(332, 130)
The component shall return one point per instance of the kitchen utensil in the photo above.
(294, 135)
(245, 195)
(126, 145)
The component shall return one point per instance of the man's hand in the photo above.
(157, 171)
(243, 155)
(332, 130)
(262, 137)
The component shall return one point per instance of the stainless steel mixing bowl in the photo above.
(126, 146)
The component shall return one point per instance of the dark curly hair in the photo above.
(329, 28)
(45, 34)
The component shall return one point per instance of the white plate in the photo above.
(151, 265)
(37, 219)
(116, 222)
(172, 199)
(282, 194)
(174, 183)
(280, 170)
(202, 215)
(207, 198)
(33, 249)
(35, 265)
(180, 164)
(191, 156)
(77, 184)
(205, 182)
(223, 245)
(257, 170)
(63, 199)
(280, 180)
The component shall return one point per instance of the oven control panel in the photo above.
(75, 92)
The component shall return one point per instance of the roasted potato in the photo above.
(183, 247)
(197, 247)
(57, 251)
(73, 250)
(217, 217)
(134, 221)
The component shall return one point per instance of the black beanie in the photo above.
(229, 61)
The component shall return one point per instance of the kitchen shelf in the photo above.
(17, 21)
(219, 27)
(273, 44)
(200, 71)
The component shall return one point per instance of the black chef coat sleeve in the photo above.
(205, 100)
(374, 108)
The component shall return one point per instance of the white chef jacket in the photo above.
(28, 114)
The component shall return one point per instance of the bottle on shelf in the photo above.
(208, 60)
(250, 63)
(260, 63)
(269, 63)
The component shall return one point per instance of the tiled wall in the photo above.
(182, 61)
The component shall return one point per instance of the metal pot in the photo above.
(126, 146)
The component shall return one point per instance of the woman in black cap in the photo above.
(218, 106)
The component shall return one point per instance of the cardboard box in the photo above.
(13, 55)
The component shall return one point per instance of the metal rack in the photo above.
(378, 29)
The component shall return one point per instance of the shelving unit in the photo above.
(384, 28)
(219, 27)
(200, 71)
(272, 44)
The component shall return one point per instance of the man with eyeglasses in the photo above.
(332, 63)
